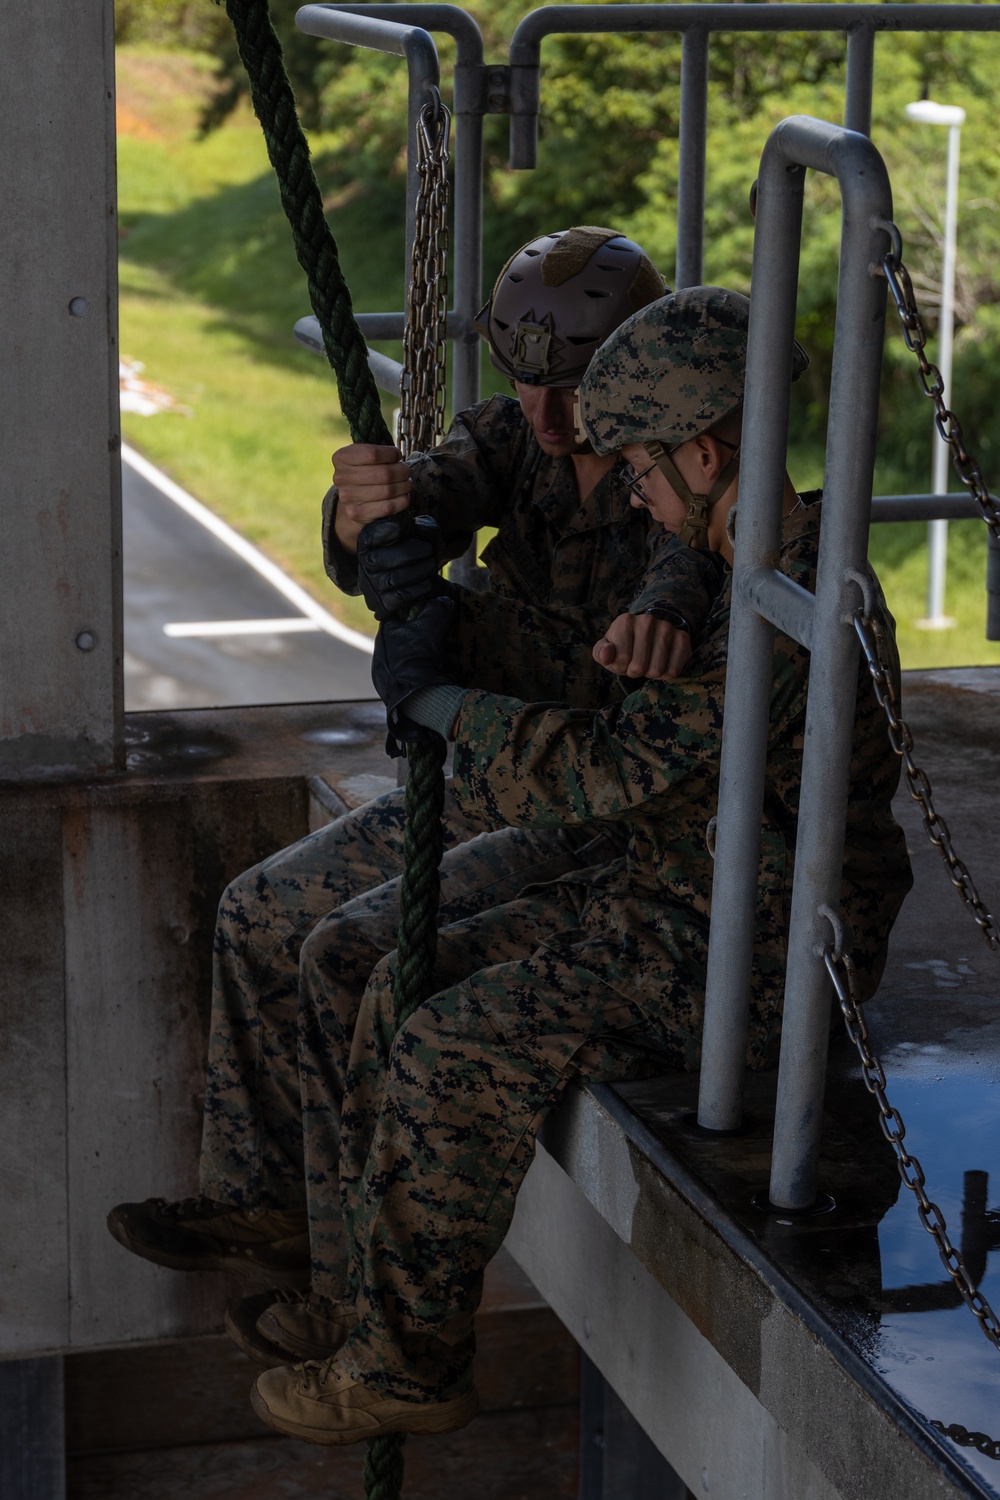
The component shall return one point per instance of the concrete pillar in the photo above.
(617, 1459)
(60, 502)
(32, 1428)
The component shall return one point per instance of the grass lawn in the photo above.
(210, 289)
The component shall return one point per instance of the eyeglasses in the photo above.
(633, 480)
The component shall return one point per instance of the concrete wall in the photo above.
(743, 1398)
(60, 563)
(109, 888)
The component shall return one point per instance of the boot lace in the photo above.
(315, 1375)
(191, 1208)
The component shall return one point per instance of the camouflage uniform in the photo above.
(283, 919)
(559, 572)
(599, 976)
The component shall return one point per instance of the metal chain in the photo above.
(841, 971)
(838, 964)
(968, 470)
(989, 1447)
(931, 381)
(424, 384)
(901, 740)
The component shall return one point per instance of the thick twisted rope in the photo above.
(316, 248)
(384, 1468)
(416, 949)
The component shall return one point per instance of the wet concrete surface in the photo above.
(176, 571)
(867, 1263)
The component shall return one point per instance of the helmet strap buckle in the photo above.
(694, 532)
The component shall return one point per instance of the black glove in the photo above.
(397, 563)
(408, 655)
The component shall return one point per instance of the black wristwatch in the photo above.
(672, 616)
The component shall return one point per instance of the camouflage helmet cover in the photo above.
(559, 297)
(670, 371)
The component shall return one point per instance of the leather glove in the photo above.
(397, 563)
(408, 655)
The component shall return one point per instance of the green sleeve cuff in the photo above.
(435, 707)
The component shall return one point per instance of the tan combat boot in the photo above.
(286, 1327)
(325, 1403)
(198, 1234)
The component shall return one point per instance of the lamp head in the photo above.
(927, 112)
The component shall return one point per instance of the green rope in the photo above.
(416, 948)
(383, 1476)
(316, 248)
(423, 845)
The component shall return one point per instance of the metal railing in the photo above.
(764, 598)
(696, 24)
(405, 31)
(481, 89)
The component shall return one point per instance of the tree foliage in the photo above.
(608, 154)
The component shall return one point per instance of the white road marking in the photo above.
(321, 619)
(283, 625)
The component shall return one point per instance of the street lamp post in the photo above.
(926, 112)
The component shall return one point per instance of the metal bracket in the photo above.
(482, 89)
(498, 89)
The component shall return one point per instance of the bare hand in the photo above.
(372, 481)
(643, 646)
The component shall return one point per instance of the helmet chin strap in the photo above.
(695, 529)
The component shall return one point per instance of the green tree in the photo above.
(608, 154)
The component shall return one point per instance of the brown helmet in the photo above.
(560, 297)
(670, 373)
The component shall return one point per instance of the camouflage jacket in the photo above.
(560, 572)
(652, 762)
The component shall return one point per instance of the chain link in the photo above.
(424, 383)
(989, 1447)
(932, 382)
(841, 971)
(968, 470)
(901, 739)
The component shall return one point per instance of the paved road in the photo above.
(277, 645)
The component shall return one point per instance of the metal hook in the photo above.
(838, 933)
(864, 583)
(895, 243)
(731, 526)
(435, 113)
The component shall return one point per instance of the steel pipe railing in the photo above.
(992, 589)
(387, 373)
(795, 144)
(860, 79)
(696, 24)
(405, 30)
(691, 148)
(748, 675)
(925, 508)
(401, 40)
(467, 196)
(785, 603)
(554, 20)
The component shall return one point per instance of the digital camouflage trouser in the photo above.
(435, 1125)
(280, 926)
